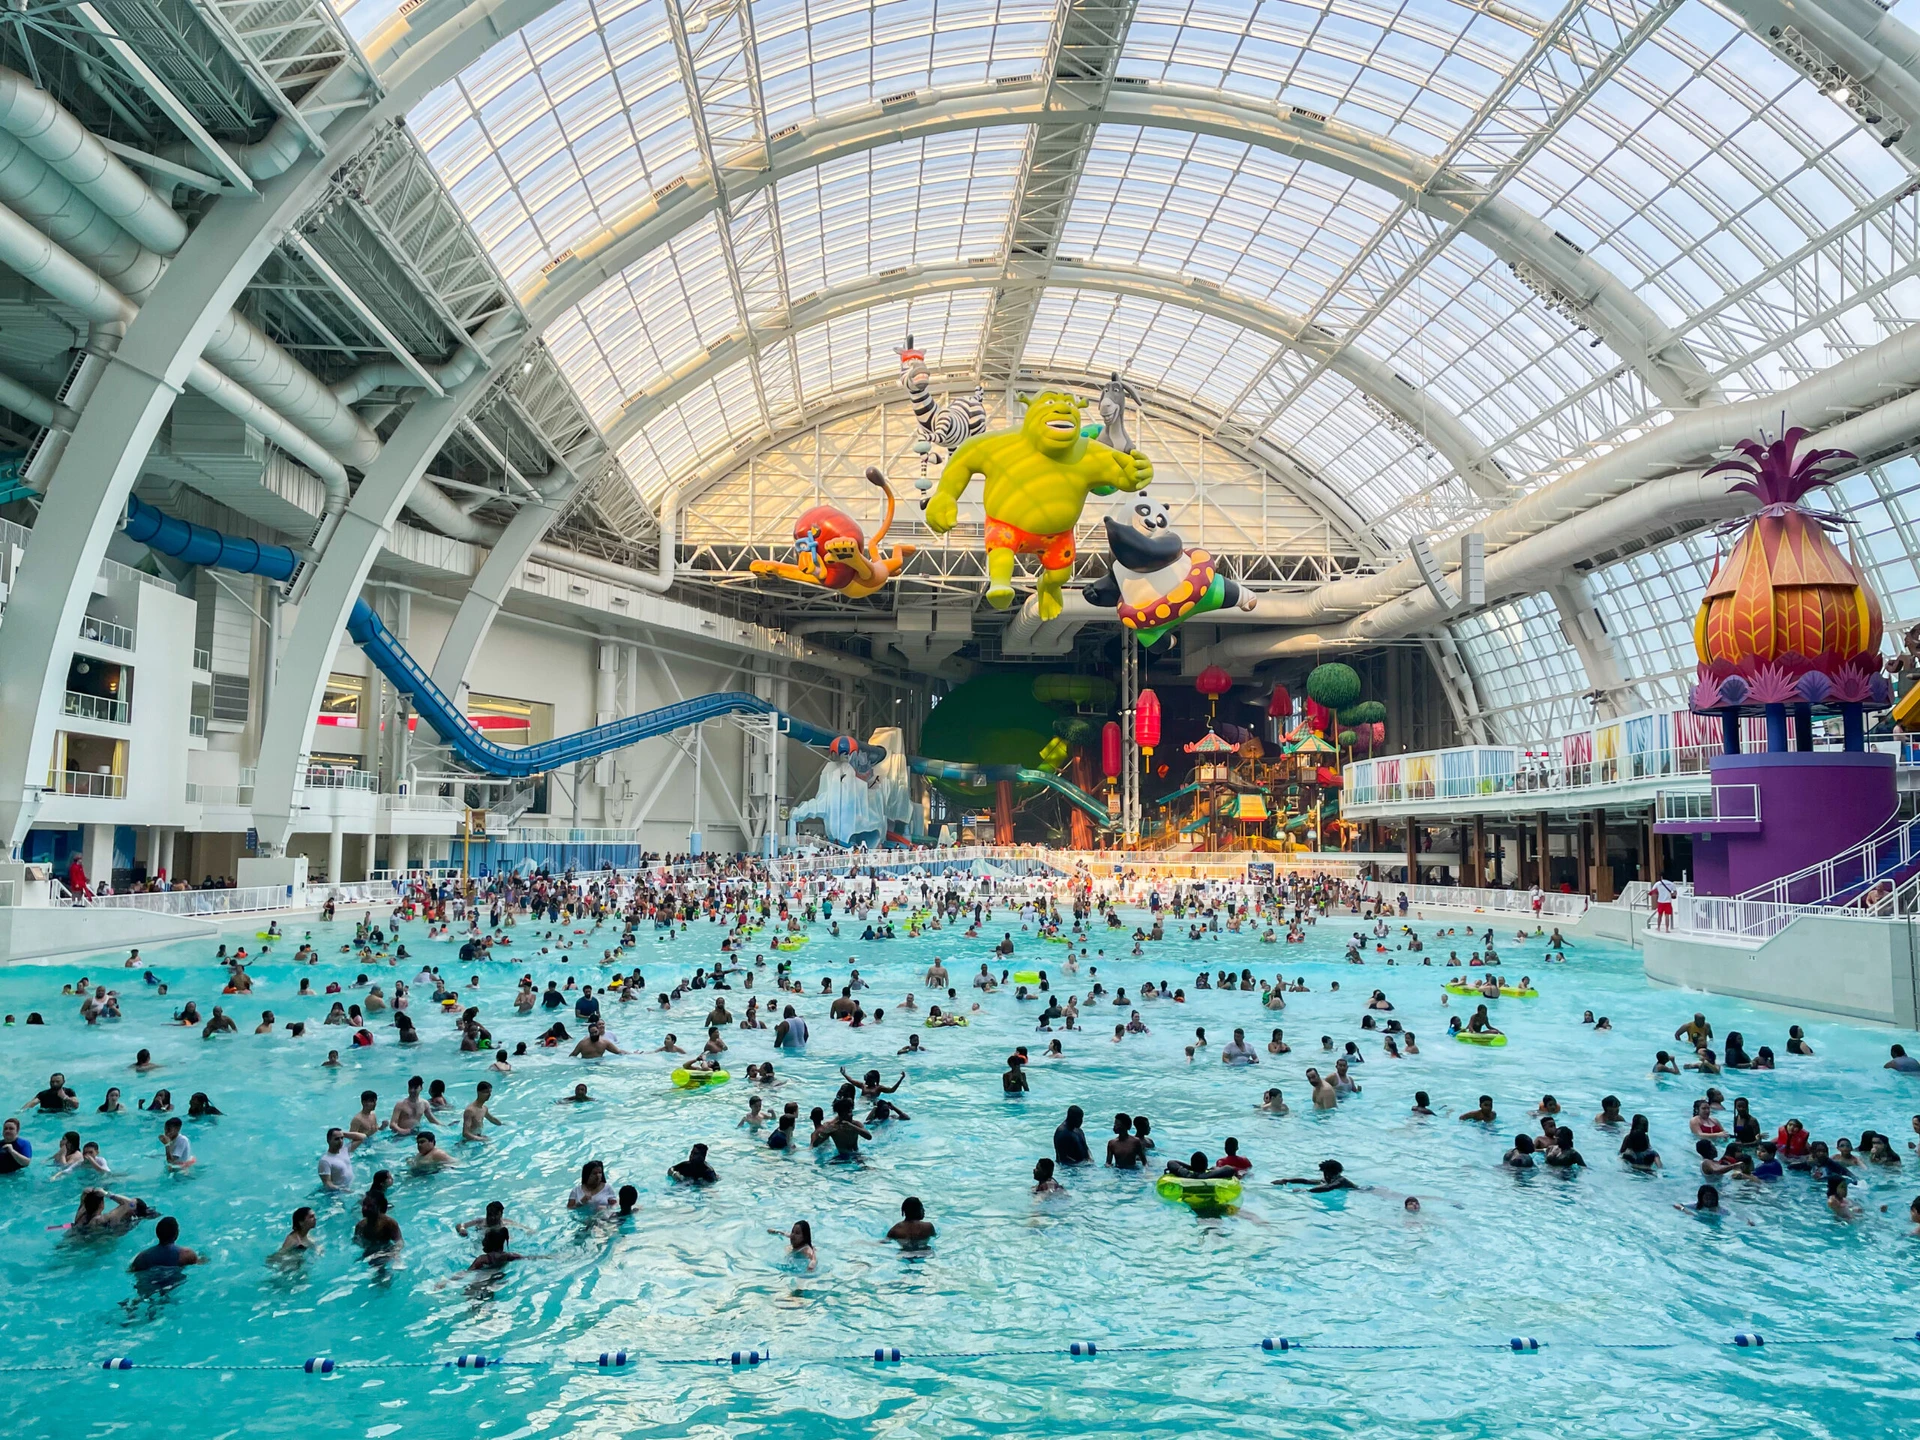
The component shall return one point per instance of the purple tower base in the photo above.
(1777, 813)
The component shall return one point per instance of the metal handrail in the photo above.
(106, 632)
(87, 783)
(1553, 903)
(104, 708)
(1741, 802)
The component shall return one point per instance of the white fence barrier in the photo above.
(1553, 904)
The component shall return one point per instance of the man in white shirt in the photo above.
(1663, 892)
(336, 1166)
(1237, 1051)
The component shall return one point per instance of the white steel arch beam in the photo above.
(488, 591)
(1862, 57)
(137, 384)
(1439, 427)
(1581, 283)
(307, 658)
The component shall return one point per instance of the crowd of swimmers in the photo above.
(1728, 1141)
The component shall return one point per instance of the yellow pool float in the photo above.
(1204, 1194)
(699, 1079)
(1512, 994)
(1467, 1037)
(1026, 977)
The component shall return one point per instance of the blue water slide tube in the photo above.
(199, 545)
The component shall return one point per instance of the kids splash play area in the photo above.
(706, 707)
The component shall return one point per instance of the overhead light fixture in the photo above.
(1841, 93)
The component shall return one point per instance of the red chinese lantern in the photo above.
(1146, 721)
(1319, 718)
(1110, 749)
(1213, 682)
(1281, 705)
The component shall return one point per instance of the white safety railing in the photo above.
(1888, 854)
(553, 835)
(322, 777)
(425, 804)
(198, 794)
(354, 892)
(1721, 802)
(87, 783)
(114, 570)
(253, 899)
(1553, 904)
(81, 706)
(106, 632)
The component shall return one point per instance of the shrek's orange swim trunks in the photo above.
(1055, 551)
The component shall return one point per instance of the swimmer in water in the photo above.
(1332, 1177)
(912, 1231)
(476, 1117)
(299, 1238)
(428, 1157)
(800, 1244)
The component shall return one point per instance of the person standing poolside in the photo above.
(913, 1231)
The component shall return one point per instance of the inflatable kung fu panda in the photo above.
(1156, 583)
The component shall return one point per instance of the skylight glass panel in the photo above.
(861, 349)
(939, 201)
(651, 319)
(561, 129)
(1094, 333)
(363, 17)
(1699, 166)
(1647, 603)
(1262, 224)
(819, 56)
(1410, 70)
(692, 432)
(1530, 682)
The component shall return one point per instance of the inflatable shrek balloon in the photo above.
(1037, 479)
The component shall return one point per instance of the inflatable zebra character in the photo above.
(942, 431)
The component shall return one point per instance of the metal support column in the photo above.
(1542, 852)
(1479, 870)
(1413, 851)
(1130, 748)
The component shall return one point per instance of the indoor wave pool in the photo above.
(1395, 1322)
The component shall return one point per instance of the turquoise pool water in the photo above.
(1586, 1263)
